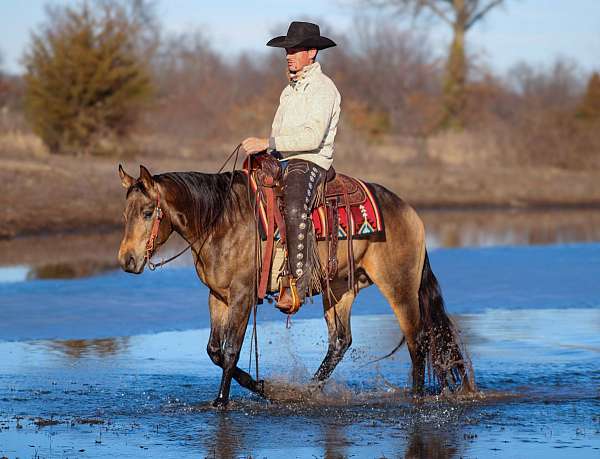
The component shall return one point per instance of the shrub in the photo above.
(86, 81)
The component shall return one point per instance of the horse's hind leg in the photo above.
(406, 309)
(337, 316)
(398, 280)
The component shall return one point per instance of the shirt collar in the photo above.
(305, 75)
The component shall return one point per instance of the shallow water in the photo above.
(135, 381)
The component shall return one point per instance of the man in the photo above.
(302, 135)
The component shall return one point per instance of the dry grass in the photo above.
(19, 143)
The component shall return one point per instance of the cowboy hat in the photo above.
(302, 35)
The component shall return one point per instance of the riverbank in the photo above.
(47, 194)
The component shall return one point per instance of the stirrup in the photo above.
(289, 302)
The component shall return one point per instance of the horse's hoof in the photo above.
(315, 386)
(260, 388)
(220, 402)
(417, 393)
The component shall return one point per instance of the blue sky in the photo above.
(536, 31)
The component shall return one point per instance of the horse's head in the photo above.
(147, 221)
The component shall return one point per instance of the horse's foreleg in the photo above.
(232, 337)
(223, 322)
(337, 316)
(242, 378)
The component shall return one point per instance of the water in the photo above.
(114, 365)
(152, 395)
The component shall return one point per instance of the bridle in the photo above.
(151, 242)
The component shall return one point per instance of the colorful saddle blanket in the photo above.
(365, 217)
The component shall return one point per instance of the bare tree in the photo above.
(460, 16)
(3, 87)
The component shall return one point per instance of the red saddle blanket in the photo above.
(365, 217)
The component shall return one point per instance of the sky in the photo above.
(536, 31)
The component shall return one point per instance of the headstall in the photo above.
(150, 244)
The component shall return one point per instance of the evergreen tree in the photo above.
(85, 82)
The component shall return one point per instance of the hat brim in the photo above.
(311, 42)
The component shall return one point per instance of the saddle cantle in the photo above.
(347, 189)
(346, 210)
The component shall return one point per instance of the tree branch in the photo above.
(482, 13)
(436, 10)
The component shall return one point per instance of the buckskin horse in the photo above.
(214, 213)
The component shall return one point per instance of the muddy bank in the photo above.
(53, 194)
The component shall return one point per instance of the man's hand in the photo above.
(253, 145)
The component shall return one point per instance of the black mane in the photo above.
(207, 197)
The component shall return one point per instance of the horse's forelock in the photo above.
(137, 186)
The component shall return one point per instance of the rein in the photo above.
(159, 215)
(150, 245)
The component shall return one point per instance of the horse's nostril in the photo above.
(130, 263)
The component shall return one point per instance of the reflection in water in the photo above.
(227, 440)
(431, 445)
(420, 433)
(476, 228)
(82, 348)
(73, 270)
(336, 441)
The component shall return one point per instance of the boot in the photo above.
(289, 301)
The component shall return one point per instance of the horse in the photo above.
(215, 214)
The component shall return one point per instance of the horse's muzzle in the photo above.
(130, 264)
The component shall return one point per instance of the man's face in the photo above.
(298, 58)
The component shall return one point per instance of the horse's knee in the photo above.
(230, 356)
(214, 352)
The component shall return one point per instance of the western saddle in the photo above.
(339, 191)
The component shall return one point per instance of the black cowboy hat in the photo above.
(302, 35)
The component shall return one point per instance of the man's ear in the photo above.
(147, 180)
(126, 179)
(312, 53)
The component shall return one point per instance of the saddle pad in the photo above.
(366, 217)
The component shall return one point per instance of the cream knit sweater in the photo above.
(306, 121)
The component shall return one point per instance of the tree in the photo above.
(461, 16)
(86, 78)
(590, 105)
(3, 87)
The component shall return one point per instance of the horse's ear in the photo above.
(146, 179)
(126, 179)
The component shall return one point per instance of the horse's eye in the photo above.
(148, 214)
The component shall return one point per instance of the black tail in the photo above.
(439, 340)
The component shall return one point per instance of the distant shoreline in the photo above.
(85, 228)
(56, 194)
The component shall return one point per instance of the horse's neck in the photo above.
(226, 228)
